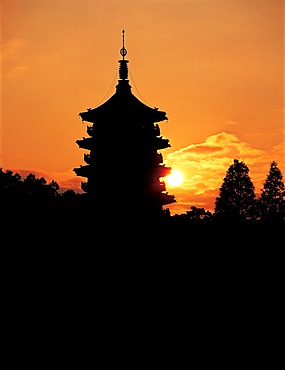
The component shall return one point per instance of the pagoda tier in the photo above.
(157, 171)
(124, 169)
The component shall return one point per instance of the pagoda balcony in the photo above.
(85, 143)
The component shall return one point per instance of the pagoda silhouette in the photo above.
(124, 168)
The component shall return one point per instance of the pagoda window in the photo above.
(157, 130)
(87, 158)
(84, 186)
(90, 130)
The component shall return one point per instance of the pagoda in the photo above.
(124, 168)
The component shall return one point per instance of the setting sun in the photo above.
(175, 178)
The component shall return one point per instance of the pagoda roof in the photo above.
(123, 105)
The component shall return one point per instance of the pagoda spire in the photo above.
(123, 69)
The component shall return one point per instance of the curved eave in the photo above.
(161, 143)
(83, 171)
(163, 171)
(167, 199)
(123, 104)
(85, 143)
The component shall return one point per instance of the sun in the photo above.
(175, 178)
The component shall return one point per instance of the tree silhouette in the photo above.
(199, 216)
(30, 193)
(38, 187)
(271, 203)
(237, 198)
(11, 188)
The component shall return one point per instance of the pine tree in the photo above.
(271, 203)
(236, 199)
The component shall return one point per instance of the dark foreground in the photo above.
(65, 273)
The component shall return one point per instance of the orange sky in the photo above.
(216, 67)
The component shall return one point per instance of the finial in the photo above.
(123, 51)
(123, 69)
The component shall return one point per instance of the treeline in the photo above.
(32, 193)
(236, 203)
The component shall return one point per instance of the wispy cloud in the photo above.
(10, 53)
(11, 47)
(15, 72)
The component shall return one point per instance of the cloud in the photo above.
(204, 166)
(221, 145)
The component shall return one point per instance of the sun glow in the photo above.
(175, 178)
